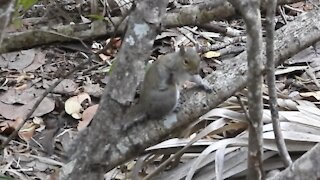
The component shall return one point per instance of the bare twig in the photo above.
(271, 83)
(293, 9)
(243, 107)
(116, 26)
(282, 14)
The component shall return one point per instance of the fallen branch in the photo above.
(306, 167)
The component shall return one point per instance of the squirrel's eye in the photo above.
(185, 61)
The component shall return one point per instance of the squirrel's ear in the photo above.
(182, 50)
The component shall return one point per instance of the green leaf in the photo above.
(26, 4)
(95, 17)
(113, 65)
(2, 177)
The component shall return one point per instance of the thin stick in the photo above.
(282, 14)
(116, 27)
(271, 83)
(245, 111)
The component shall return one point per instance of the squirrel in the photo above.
(161, 86)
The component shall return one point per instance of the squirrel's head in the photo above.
(190, 60)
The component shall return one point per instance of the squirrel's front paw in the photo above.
(207, 87)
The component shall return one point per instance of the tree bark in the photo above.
(250, 12)
(306, 167)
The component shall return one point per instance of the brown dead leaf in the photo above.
(39, 122)
(23, 96)
(87, 116)
(307, 55)
(96, 47)
(93, 89)
(38, 61)
(104, 57)
(9, 126)
(298, 5)
(308, 7)
(37, 165)
(20, 111)
(167, 34)
(21, 87)
(315, 94)
(27, 131)
(117, 42)
(17, 60)
(212, 54)
(24, 76)
(45, 139)
(64, 87)
(66, 138)
(73, 105)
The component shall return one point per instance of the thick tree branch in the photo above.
(207, 11)
(306, 167)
